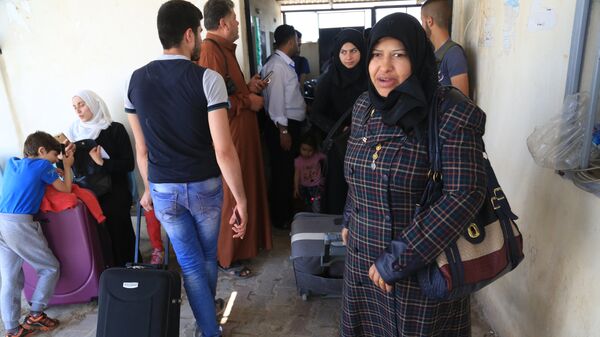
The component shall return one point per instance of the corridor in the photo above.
(265, 305)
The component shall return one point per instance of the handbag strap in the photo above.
(327, 141)
(452, 98)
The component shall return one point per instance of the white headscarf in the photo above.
(101, 119)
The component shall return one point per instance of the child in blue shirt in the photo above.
(21, 238)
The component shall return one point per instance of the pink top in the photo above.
(310, 169)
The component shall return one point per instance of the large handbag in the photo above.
(491, 244)
(88, 174)
(100, 183)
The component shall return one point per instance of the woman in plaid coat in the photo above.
(386, 169)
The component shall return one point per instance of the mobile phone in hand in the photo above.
(61, 138)
(267, 78)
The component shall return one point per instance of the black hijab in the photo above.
(407, 105)
(341, 75)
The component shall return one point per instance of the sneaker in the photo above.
(158, 256)
(21, 332)
(40, 322)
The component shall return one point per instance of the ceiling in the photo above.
(322, 2)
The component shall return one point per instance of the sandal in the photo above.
(219, 306)
(237, 270)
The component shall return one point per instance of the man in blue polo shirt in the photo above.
(178, 115)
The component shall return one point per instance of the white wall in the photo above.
(57, 47)
(53, 48)
(269, 15)
(9, 127)
(242, 47)
(519, 80)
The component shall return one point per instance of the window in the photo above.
(305, 22)
(584, 76)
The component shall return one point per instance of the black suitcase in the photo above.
(317, 254)
(139, 300)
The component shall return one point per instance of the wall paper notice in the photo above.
(18, 11)
(542, 16)
(486, 34)
(511, 14)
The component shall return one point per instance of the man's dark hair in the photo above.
(299, 35)
(39, 139)
(283, 34)
(214, 11)
(439, 10)
(174, 18)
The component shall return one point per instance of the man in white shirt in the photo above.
(286, 108)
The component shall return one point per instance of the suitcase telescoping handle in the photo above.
(138, 234)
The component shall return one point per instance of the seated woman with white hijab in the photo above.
(110, 154)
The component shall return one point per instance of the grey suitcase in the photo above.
(317, 254)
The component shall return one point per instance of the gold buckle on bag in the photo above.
(473, 231)
(495, 204)
(498, 193)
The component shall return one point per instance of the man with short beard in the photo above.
(450, 57)
(178, 115)
(218, 54)
(286, 108)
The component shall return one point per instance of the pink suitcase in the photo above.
(73, 237)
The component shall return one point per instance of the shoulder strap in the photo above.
(222, 53)
(452, 97)
(327, 141)
(442, 52)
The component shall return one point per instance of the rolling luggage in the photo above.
(139, 300)
(317, 254)
(72, 236)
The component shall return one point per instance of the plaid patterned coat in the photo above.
(384, 187)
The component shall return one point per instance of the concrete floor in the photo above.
(266, 304)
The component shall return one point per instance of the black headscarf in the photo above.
(343, 76)
(406, 105)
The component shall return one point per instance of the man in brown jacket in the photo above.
(218, 54)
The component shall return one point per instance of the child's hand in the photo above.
(70, 147)
(60, 172)
(68, 159)
(96, 155)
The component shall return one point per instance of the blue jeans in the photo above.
(191, 215)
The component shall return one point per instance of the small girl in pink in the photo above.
(308, 176)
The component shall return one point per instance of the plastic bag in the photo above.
(557, 144)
